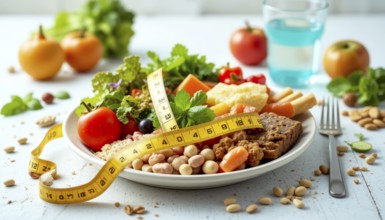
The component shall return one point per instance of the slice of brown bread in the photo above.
(279, 135)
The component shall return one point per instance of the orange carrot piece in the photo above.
(284, 109)
(192, 85)
(233, 159)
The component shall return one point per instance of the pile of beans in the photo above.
(179, 160)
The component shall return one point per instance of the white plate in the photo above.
(195, 181)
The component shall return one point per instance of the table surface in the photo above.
(207, 35)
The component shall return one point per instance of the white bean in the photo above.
(185, 169)
(196, 161)
(177, 162)
(156, 158)
(137, 164)
(208, 154)
(210, 167)
(164, 168)
(190, 150)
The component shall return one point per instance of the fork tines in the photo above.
(332, 111)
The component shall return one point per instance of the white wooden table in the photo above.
(207, 35)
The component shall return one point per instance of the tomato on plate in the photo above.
(129, 128)
(98, 127)
(231, 75)
(258, 79)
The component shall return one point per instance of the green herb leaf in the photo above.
(62, 95)
(201, 114)
(34, 104)
(338, 87)
(199, 98)
(28, 97)
(182, 100)
(16, 106)
(360, 136)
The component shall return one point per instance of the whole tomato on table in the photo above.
(249, 45)
(231, 75)
(82, 50)
(98, 127)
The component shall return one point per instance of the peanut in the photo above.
(177, 162)
(229, 201)
(300, 191)
(137, 164)
(233, 208)
(190, 150)
(351, 172)
(362, 155)
(251, 208)
(370, 159)
(305, 182)
(355, 117)
(356, 181)
(284, 201)
(208, 154)
(379, 123)
(22, 141)
(196, 161)
(324, 169)
(374, 155)
(128, 210)
(342, 148)
(374, 112)
(164, 168)
(265, 201)
(9, 183)
(317, 172)
(139, 209)
(298, 203)
(355, 168)
(345, 113)
(364, 169)
(277, 191)
(364, 121)
(290, 191)
(9, 149)
(156, 158)
(147, 168)
(371, 127)
(46, 121)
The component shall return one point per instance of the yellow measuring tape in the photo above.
(111, 169)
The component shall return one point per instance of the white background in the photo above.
(183, 6)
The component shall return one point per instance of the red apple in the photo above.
(249, 45)
(344, 57)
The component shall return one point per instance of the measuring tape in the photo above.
(111, 169)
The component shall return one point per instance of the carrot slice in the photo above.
(233, 159)
(280, 108)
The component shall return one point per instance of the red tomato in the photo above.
(230, 75)
(129, 128)
(249, 45)
(98, 127)
(258, 79)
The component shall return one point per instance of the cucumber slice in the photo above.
(361, 146)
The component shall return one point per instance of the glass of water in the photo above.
(294, 29)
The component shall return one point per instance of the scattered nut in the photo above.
(370, 159)
(341, 154)
(233, 208)
(298, 203)
(364, 169)
(356, 168)
(11, 69)
(374, 113)
(290, 191)
(117, 204)
(9, 149)
(362, 155)
(364, 121)
(34, 175)
(128, 210)
(22, 141)
(9, 183)
(139, 209)
(342, 148)
(251, 208)
(300, 191)
(305, 182)
(345, 113)
(324, 169)
(355, 117)
(351, 172)
(265, 201)
(284, 201)
(371, 127)
(48, 177)
(374, 155)
(46, 121)
(317, 172)
(47, 98)
(229, 201)
(277, 191)
(356, 181)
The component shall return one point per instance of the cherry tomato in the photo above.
(129, 128)
(230, 75)
(258, 79)
(98, 127)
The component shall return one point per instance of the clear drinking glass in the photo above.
(294, 29)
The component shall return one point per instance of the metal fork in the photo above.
(331, 129)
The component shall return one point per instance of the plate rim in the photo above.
(244, 174)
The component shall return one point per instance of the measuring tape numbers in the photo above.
(174, 137)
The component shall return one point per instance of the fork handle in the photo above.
(336, 184)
